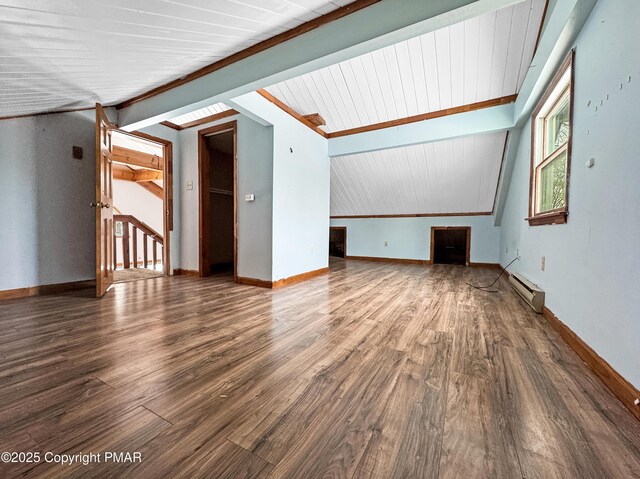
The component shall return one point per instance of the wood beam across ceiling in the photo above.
(123, 172)
(265, 94)
(310, 120)
(413, 215)
(426, 116)
(147, 175)
(137, 158)
(316, 119)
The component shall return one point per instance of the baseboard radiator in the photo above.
(533, 295)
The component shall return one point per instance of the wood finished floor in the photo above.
(374, 371)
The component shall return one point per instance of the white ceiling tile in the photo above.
(418, 75)
(73, 53)
(452, 176)
(471, 48)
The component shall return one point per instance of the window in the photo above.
(551, 150)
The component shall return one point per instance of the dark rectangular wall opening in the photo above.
(338, 242)
(450, 245)
(221, 192)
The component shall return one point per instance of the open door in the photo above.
(104, 203)
(218, 212)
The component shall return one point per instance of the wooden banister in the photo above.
(146, 229)
(147, 233)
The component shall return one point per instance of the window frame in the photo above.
(538, 137)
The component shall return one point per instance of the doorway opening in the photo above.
(338, 241)
(218, 207)
(142, 205)
(450, 244)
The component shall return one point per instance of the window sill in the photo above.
(557, 218)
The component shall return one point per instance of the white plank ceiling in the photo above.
(198, 114)
(451, 176)
(68, 54)
(476, 60)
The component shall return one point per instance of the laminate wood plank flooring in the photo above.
(375, 370)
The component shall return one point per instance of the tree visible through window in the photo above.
(551, 150)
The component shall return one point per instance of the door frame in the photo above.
(203, 196)
(167, 186)
(345, 237)
(467, 261)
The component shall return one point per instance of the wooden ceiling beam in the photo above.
(291, 111)
(316, 119)
(414, 215)
(426, 116)
(137, 158)
(123, 172)
(147, 175)
(310, 120)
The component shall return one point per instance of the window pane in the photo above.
(553, 183)
(557, 127)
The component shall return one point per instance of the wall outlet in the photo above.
(543, 261)
(386, 243)
(189, 185)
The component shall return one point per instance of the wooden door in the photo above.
(103, 203)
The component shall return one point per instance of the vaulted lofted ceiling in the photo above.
(70, 54)
(480, 59)
(452, 176)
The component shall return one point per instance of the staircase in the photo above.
(131, 231)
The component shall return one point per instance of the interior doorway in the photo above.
(142, 205)
(218, 207)
(450, 245)
(338, 241)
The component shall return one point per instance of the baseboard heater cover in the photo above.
(530, 292)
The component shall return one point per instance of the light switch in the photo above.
(250, 197)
